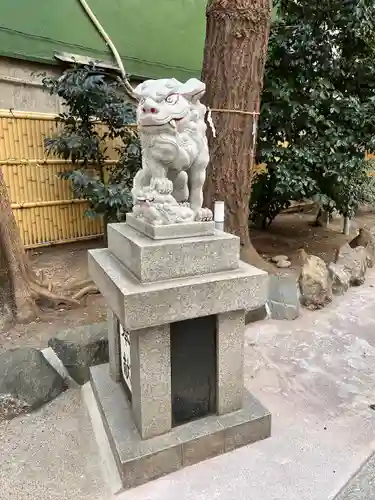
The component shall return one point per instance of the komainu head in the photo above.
(169, 103)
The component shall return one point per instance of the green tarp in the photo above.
(155, 38)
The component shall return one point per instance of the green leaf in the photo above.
(92, 95)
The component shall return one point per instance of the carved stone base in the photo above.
(171, 231)
(139, 460)
(159, 260)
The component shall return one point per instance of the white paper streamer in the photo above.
(210, 122)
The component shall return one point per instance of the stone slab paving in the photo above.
(315, 374)
(51, 454)
(362, 486)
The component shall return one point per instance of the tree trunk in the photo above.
(21, 290)
(16, 297)
(234, 60)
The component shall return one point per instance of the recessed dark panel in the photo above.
(193, 364)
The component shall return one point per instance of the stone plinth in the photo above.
(140, 461)
(158, 260)
(173, 393)
(171, 231)
(141, 305)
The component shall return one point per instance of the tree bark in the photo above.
(234, 61)
(16, 297)
(21, 290)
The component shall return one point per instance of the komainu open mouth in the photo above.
(172, 123)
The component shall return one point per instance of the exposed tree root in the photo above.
(78, 285)
(38, 294)
(88, 290)
(34, 295)
(23, 292)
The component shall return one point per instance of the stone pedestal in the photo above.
(173, 394)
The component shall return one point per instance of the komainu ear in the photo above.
(139, 90)
(157, 88)
(192, 90)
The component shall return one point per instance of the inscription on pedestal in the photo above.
(193, 363)
(125, 357)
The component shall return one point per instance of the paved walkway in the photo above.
(51, 454)
(315, 374)
(362, 485)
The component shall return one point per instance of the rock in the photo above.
(27, 381)
(354, 262)
(283, 311)
(340, 279)
(283, 297)
(80, 348)
(366, 239)
(254, 315)
(283, 264)
(277, 258)
(314, 282)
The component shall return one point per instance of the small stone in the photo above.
(11, 406)
(80, 348)
(283, 311)
(354, 261)
(254, 315)
(283, 264)
(314, 282)
(340, 279)
(27, 381)
(277, 258)
(366, 239)
(283, 297)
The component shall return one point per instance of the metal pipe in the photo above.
(20, 81)
(29, 115)
(129, 89)
(50, 203)
(46, 161)
(346, 228)
(63, 242)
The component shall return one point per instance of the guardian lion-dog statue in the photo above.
(171, 123)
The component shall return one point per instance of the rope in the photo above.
(234, 111)
(237, 111)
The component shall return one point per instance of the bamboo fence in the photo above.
(43, 204)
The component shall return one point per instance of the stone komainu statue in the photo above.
(172, 128)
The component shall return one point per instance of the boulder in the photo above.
(366, 239)
(340, 279)
(27, 381)
(314, 282)
(80, 348)
(354, 261)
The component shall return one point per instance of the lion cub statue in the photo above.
(171, 123)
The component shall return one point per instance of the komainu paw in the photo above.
(203, 215)
(162, 186)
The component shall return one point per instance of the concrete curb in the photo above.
(109, 467)
(57, 364)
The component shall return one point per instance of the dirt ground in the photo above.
(292, 231)
(63, 265)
